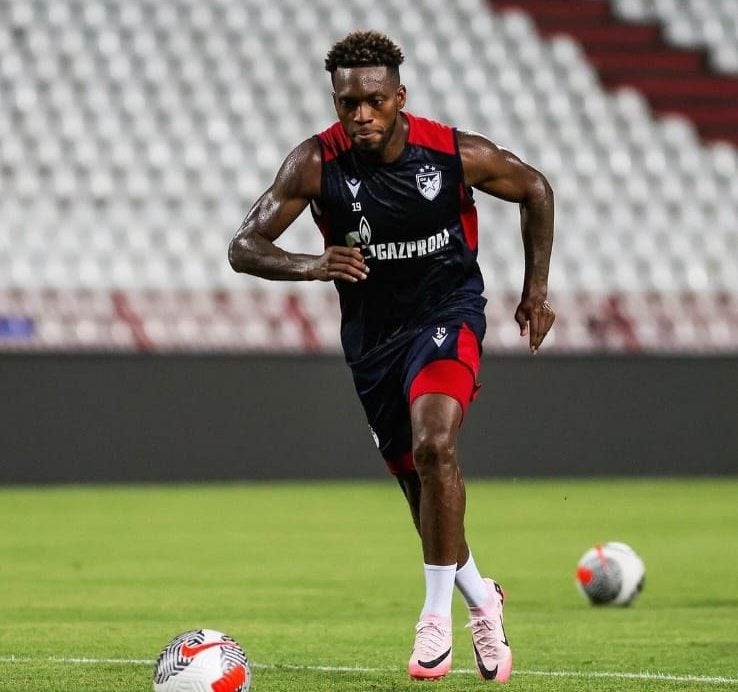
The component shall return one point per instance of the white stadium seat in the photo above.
(138, 134)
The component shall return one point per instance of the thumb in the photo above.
(522, 322)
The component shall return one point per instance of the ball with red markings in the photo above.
(202, 661)
(610, 574)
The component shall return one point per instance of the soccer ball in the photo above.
(202, 661)
(610, 574)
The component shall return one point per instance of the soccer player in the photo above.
(392, 195)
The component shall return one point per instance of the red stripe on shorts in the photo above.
(468, 349)
(401, 464)
(457, 378)
(450, 377)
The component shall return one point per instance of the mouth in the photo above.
(366, 135)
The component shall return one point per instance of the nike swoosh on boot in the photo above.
(435, 661)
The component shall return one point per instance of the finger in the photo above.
(359, 265)
(544, 318)
(348, 260)
(355, 259)
(339, 254)
(522, 321)
(345, 276)
(348, 271)
(353, 251)
(535, 325)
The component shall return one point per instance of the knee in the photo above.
(434, 451)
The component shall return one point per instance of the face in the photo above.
(367, 101)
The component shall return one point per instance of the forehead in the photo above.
(357, 81)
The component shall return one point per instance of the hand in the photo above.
(534, 315)
(341, 263)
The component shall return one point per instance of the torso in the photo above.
(416, 223)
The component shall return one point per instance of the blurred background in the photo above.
(134, 137)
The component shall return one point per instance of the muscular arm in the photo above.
(252, 250)
(502, 174)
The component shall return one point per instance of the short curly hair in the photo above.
(364, 49)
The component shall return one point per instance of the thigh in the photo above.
(380, 391)
(444, 359)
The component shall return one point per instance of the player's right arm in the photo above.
(253, 249)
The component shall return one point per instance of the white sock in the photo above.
(439, 590)
(470, 583)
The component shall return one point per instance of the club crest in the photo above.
(428, 181)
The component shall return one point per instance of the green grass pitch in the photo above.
(322, 583)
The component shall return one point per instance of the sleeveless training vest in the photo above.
(416, 224)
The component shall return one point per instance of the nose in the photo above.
(362, 114)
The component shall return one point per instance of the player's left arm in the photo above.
(500, 173)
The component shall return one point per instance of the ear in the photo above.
(401, 96)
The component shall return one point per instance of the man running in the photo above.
(392, 195)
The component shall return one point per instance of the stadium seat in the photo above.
(138, 134)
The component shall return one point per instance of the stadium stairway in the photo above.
(673, 80)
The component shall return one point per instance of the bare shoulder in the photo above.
(306, 153)
(498, 171)
(300, 172)
(473, 145)
(480, 156)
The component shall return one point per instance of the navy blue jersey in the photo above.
(415, 222)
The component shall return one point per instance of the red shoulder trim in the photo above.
(431, 134)
(334, 141)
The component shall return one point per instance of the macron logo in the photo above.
(354, 186)
(440, 336)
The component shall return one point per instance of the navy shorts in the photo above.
(440, 359)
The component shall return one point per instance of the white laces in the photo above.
(429, 638)
(485, 636)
